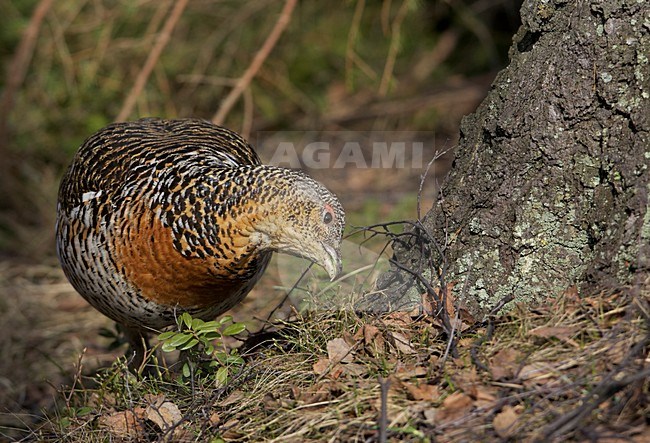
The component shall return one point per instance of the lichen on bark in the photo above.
(549, 186)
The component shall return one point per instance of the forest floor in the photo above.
(576, 368)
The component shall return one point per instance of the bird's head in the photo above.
(306, 220)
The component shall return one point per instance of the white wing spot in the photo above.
(90, 195)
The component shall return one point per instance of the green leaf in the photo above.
(234, 360)
(209, 349)
(85, 410)
(222, 375)
(179, 338)
(187, 319)
(165, 335)
(186, 370)
(212, 335)
(188, 345)
(225, 319)
(196, 322)
(208, 326)
(233, 329)
(167, 347)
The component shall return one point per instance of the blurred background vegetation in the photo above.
(340, 65)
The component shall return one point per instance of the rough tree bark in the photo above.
(550, 186)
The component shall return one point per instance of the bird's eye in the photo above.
(327, 217)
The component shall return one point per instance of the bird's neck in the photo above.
(262, 209)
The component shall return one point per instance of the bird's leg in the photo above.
(138, 347)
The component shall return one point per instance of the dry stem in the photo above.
(152, 59)
(258, 60)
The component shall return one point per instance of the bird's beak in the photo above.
(331, 261)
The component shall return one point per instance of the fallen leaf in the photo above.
(270, 402)
(402, 343)
(430, 414)
(504, 363)
(234, 397)
(154, 399)
(454, 407)
(316, 393)
(231, 432)
(563, 333)
(644, 435)
(505, 421)
(536, 373)
(405, 372)
(355, 369)
(467, 316)
(426, 304)
(448, 300)
(215, 418)
(336, 371)
(422, 391)
(373, 338)
(485, 397)
(124, 424)
(338, 350)
(431, 307)
(466, 380)
(398, 318)
(320, 367)
(165, 415)
(571, 294)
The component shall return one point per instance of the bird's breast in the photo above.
(149, 257)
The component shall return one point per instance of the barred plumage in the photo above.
(157, 216)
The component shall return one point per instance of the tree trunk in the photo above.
(550, 186)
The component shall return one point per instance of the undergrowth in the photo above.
(572, 370)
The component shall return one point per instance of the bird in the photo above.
(156, 217)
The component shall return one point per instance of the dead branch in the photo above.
(18, 67)
(152, 59)
(258, 60)
(393, 49)
(350, 54)
(384, 384)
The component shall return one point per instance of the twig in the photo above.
(76, 379)
(393, 49)
(18, 67)
(258, 60)
(350, 55)
(286, 296)
(442, 313)
(504, 301)
(491, 325)
(384, 384)
(423, 178)
(451, 343)
(152, 59)
(476, 345)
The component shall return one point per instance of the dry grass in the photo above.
(575, 369)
